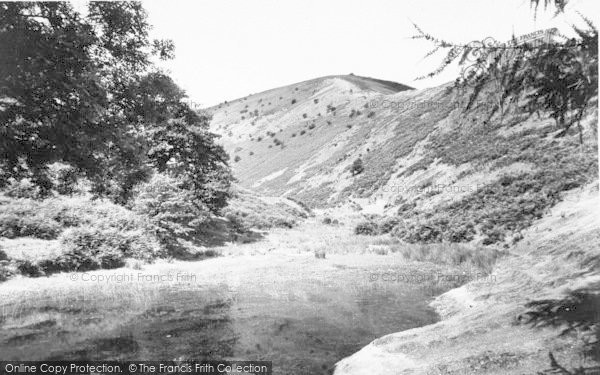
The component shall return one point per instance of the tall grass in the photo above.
(452, 254)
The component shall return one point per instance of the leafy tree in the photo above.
(83, 90)
(559, 77)
(51, 98)
(66, 80)
(189, 151)
(170, 208)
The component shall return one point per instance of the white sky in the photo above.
(226, 49)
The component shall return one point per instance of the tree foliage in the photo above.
(558, 76)
(83, 90)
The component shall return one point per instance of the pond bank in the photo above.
(485, 328)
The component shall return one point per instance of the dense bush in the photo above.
(22, 188)
(46, 219)
(357, 167)
(243, 219)
(88, 248)
(386, 225)
(23, 218)
(6, 271)
(248, 211)
(368, 227)
(93, 234)
(110, 244)
(64, 178)
(170, 209)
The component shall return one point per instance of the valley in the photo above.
(198, 185)
(318, 259)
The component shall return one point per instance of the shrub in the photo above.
(304, 115)
(6, 271)
(302, 132)
(13, 226)
(388, 224)
(46, 219)
(460, 232)
(416, 232)
(89, 248)
(354, 112)
(293, 101)
(320, 254)
(237, 222)
(406, 207)
(64, 178)
(248, 211)
(23, 218)
(311, 126)
(27, 267)
(237, 158)
(23, 188)
(170, 209)
(357, 167)
(366, 228)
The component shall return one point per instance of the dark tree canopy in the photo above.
(83, 90)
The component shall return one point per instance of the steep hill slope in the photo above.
(297, 140)
(441, 171)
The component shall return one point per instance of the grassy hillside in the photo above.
(440, 172)
(537, 313)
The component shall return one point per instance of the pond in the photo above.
(304, 316)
